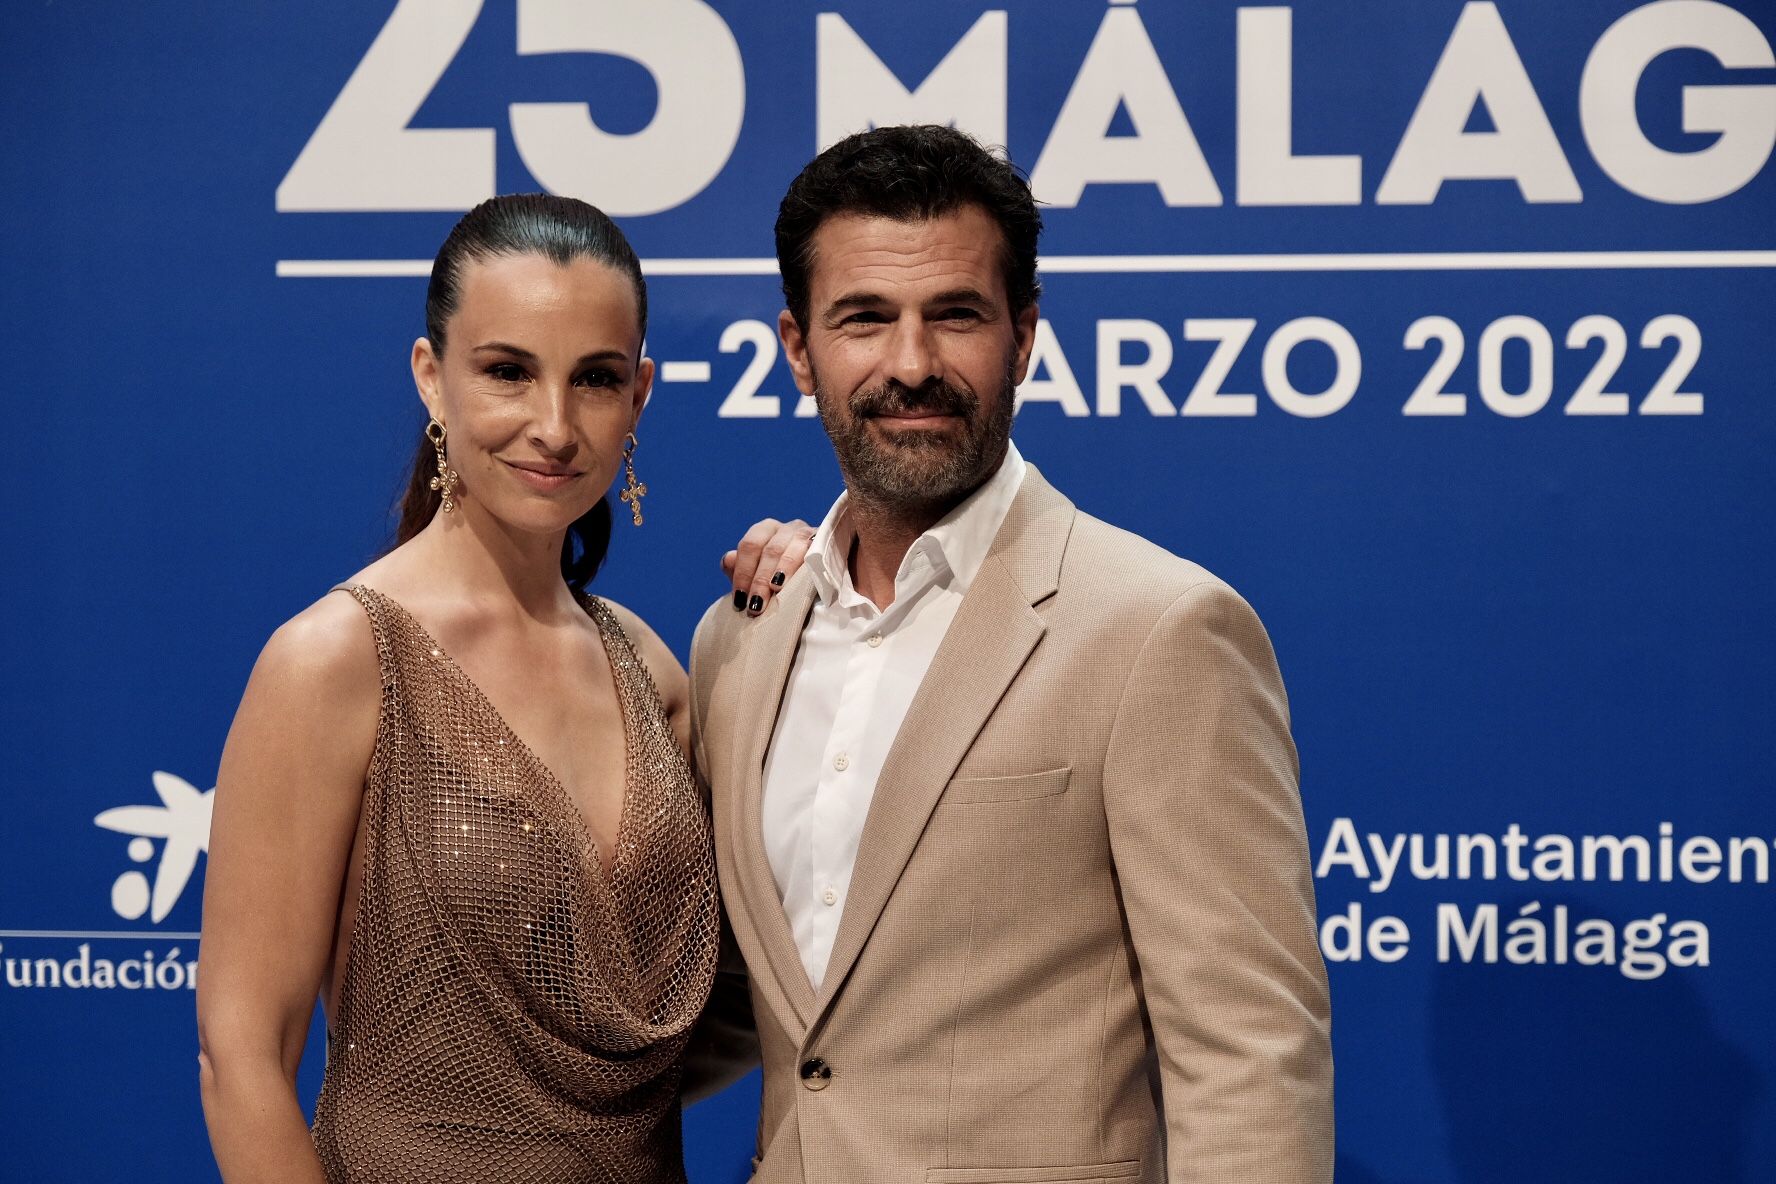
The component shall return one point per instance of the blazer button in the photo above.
(816, 1073)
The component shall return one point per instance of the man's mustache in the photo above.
(934, 396)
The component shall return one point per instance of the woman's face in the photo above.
(540, 381)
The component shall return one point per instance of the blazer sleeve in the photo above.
(724, 1044)
(1206, 831)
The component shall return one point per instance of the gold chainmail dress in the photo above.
(509, 1012)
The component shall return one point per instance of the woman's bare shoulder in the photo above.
(327, 647)
(307, 723)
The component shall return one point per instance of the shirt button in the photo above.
(841, 762)
(875, 640)
(830, 897)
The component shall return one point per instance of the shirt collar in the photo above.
(958, 544)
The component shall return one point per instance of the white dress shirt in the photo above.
(855, 674)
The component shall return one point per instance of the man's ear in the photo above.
(1023, 329)
(795, 351)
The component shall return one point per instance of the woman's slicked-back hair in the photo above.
(562, 229)
(908, 173)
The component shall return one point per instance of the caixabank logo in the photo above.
(166, 839)
(182, 823)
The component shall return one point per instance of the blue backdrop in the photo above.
(1433, 327)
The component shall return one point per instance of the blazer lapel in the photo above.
(995, 629)
(777, 635)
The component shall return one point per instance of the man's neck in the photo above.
(884, 531)
(881, 538)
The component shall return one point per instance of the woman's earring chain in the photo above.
(446, 480)
(633, 490)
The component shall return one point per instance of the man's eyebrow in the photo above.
(859, 299)
(959, 296)
(864, 299)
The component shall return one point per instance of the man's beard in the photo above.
(915, 468)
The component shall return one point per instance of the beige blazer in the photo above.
(1079, 943)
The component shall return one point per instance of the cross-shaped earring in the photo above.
(446, 480)
(633, 490)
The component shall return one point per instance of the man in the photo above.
(1004, 798)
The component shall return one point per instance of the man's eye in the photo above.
(959, 314)
(866, 318)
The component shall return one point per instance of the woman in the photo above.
(455, 800)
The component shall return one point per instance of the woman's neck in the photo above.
(485, 558)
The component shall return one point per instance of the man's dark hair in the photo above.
(907, 173)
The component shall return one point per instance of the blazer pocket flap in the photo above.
(1016, 788)
(1096, 1173)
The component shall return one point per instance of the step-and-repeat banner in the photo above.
(1441, 330)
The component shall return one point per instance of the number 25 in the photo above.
(364, 157)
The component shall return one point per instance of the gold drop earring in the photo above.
(633, 490)
(446, 480)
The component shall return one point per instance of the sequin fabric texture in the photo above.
(510, 1011)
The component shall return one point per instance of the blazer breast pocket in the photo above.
(1102, 1173)
(1019, 787)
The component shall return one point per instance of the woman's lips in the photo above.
(546, 478)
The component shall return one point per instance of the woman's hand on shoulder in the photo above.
(764, 559)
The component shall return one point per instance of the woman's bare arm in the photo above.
(289, 794)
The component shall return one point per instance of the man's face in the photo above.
(911, 353)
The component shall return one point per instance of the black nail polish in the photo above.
(739, 600)
(756, 605)
(777, 580)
